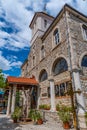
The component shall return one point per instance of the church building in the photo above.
(58, 56)
(57, 59)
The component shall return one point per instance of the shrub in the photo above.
(17, 113)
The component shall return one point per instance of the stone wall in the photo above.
(78, 46)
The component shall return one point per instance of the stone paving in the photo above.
(7, 124)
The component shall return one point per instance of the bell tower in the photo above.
(40, 23)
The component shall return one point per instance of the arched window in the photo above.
(59, 66)
(43, 75)
(84, 61)
(42, 52)
(56, 36)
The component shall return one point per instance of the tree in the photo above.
(2, 80)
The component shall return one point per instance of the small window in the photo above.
(56, 37)
(45, 23)
(33, 60)
(60, 89)
(33, 48)
(48, 90)
(42, 52)
(43, 76)
(85, 32)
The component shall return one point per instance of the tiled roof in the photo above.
(21, 80)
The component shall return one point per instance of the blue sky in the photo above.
(15, 35)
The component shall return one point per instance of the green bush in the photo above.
(44, 106)
(86, 117)
(64, 113)
(57, 107)
(17, 113)
(35, 115)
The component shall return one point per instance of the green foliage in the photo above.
(44, 106)
(58, 107)
(18, 94)
(86, 117)
(39, 115)
(2, 80)
(34, 115)
(17, 113)
(64, 113)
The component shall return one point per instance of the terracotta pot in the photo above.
(39, 122)
(15, 120)
(47, 108)
(66, 125)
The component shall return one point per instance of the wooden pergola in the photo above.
(29, 87)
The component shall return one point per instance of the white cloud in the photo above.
(5, 75)
(6, 64)
(82, 6)
(19, 16)
(55, 6)
(18, 13)
(16, 64)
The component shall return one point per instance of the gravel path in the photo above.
(7, 124)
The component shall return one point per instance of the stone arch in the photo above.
(58, 56)
(43, 75)
(59, 65)
(81, 57)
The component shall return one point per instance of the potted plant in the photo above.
(36, 117)
(41, 106)
(39, 119)
(64, 115)
(33, 116)
(16, 114)
(46, 107)
(86, 117)
(57, 107)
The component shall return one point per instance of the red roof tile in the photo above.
(22, 80)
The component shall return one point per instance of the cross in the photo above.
(44, 9)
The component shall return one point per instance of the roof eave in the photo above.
(68, 8)
(35, 16)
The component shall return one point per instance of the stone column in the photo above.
(13, 98)
(9, 102)
(38, 97)
(52, 95)
(80, 100)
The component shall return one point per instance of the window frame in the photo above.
(58, 86)
(42, 52)
(84, 32)
(83, 61)
(56, 36)
(33, 61)
(55, 64)
(43, 72)
(45, 23)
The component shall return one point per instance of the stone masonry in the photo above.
(69, 22)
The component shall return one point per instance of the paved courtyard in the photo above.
(7, 124)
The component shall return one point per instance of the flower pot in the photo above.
(66, 125)
(39, 121)
(15, 120)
